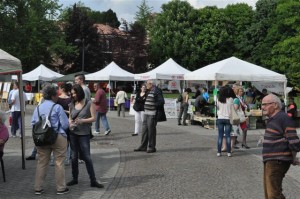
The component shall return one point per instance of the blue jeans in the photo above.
(104, 121)
(81, 144)
(224, 127)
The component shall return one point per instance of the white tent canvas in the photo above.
(41, 73)
(234, 69)
(111, 72)
(169, 70)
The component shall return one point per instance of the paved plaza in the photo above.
(184, 166)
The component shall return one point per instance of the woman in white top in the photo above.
(121, 99)
(225, 101)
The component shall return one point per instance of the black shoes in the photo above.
(151, 150)
(66, 190)
(179, 124)
(134, 134)
(96, 184)
(245, 146)
(72, 182)
(30, 158)
(140, 149)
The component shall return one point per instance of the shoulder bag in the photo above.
(234, 118)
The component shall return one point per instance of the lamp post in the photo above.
(79, 41)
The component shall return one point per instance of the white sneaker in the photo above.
(107, 132)
(96, 132)
(229, 155)
(218, 154)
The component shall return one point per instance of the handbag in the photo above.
(234, 117)
(43, 133)
(241, 115)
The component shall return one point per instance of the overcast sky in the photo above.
(126, 9)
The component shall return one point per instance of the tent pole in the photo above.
(285, 94)
(216, 98)
(22, 107)
(109, 95)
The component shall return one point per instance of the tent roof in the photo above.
(169, 70)
(111, 72)
(41, 73)
(9, 64)
(235, 69)
(69, 77)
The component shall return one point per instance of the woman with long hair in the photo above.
(82, 115)
(224, 103)
(139, 102)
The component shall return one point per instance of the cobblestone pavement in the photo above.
(184, 166)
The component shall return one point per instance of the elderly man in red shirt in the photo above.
(100, 102)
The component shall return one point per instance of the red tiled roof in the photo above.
(107, 30)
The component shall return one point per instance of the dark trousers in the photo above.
(274, 172)
(183, 110)
(121, 108)
(16, 122)
(80, 144)
(149, 132)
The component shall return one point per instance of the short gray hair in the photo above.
(49, 91)
(2, 117)
(276, 100)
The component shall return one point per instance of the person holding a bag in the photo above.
(59, 123)
(240, 107)
(138, 106)
(224, 106)
(82, 115)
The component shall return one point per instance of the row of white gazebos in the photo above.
(232, 69)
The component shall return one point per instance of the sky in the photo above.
(127, 9)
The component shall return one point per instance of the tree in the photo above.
(28, 30)
(171, 35)
(143, 16)
(80, 26)
(109, 18)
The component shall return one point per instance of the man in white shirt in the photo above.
(16, 110)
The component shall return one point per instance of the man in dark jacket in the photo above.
(154, 100)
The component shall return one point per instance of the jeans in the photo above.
(81, 144)
(224, 126)
(104, 121)
(16, 122)
(274, 172)
(183, 110)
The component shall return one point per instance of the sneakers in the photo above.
(107, 132)
(229, 155)
(96, 184)
(39, 192)
(66, 190)
(80, 161)
(96, 132)
(30, 158)
(218, 154)
(72, 182)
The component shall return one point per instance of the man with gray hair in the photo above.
(154, 100)
(280, 146)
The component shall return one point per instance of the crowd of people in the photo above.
(74, 111)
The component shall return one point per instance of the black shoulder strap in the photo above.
(51, 111)
(86, 101)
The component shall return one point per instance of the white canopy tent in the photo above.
(169, 70)
(111, 72)
(10, 65)
(41, 73)
(234, 69)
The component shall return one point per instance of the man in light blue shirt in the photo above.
(59, 122)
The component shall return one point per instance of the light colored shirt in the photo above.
(224, 109)
(87, 92)
(121, 97)
(15, 97)
(58, 119)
